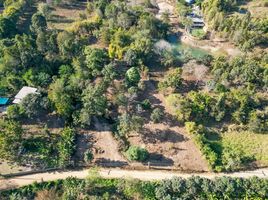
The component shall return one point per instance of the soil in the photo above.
(167, 142)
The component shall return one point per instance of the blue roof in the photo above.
(3, 101)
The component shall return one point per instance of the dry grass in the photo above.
(257, 8)
(251, 144)
(63, 16)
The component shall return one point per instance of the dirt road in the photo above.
(120, 173)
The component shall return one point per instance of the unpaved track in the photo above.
(146, 175)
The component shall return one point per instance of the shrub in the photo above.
(137, 153)
(157, 115)
(88, 156)
(146, 104)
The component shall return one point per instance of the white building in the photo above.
(23, 93)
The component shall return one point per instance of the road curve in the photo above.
(120, 173)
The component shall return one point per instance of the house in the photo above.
(23, 93)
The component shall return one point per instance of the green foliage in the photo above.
(258, 122)
(156, 115)
(94, 103)
(245, 30)
(146, 104)
(39, 23)
(128, 124)
(137, 153)
(11, 139)
(61, 98)
(33, 105)
(88, 156)
(198, 132)
(198, 33)
(7, 27)
(133, 76)
(66, 146)
(15, 112)
(95, 59)
(174, 188)
(172, 79)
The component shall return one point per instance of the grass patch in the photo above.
(248, 144)
(198, 33)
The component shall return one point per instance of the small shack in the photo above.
(3, 104)
(23, 93)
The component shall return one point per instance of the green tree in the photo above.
(135, 153)
(11, 139)
(39, 23)
(96, 59)
(133, 76)
(156, 115)
(173, 79)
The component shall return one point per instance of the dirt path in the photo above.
(147, 175)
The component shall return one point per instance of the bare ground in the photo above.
(167, 142)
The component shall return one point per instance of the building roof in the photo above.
(23, 93)
(3, 101)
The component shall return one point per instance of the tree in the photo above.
(39, 23)
(258, 122)
(45, 10)
(172, 79)
(137, 153)
(15, 112)
(128, 124)
(11, 139)
(133, 76)
(61, 98)
(33, 105)
(7, 28)
(94, 103)
(96, 59)
(156, 115)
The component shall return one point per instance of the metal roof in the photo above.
(23, 93)
(3, 100)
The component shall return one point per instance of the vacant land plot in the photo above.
(167, 142)
(248, 144)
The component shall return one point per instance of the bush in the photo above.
(15, 112)
(137, 153)
(156, 115)
(88, 156)
(146, 104)
(198, 33)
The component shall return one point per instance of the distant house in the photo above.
(23, 93)
(197, 22)
(3, 101)
(189, 1)
(3, 104)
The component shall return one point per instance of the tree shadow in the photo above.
(110, 163)
(165, 135)
(156, 159)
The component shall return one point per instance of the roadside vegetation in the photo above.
(95, 187)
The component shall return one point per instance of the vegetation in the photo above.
(95, 187)
(137, 153)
